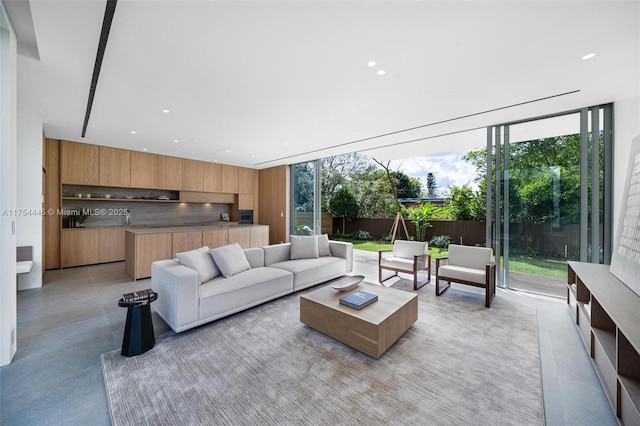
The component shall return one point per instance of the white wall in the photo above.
(8, 87)
(29, 197)
(626, 127)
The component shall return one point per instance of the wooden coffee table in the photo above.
(371, 330)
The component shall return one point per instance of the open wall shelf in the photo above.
(607, 314)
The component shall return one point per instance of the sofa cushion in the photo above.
(251, 277)
(400, 263)
(308, 272)
(230, 259)
(469, 256)
(323, 245)
(304, 246)
(461, 273)
(201, 261)
(408, 249)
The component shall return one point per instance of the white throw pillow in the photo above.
(323, 245)
(304, 246)
(199, 260)
(230, 259)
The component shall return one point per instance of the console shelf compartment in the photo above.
(607, 314)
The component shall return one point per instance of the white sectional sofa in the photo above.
(236, 279)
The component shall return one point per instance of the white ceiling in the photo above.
(264, 83)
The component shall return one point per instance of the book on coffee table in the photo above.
(359, 299)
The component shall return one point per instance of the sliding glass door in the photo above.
(305, 198)
(552, 199)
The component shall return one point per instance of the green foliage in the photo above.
(420, 216)
(440, 241)
(466, 204)
(344, 203)
(303, 187)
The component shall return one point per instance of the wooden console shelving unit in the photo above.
(607, 314)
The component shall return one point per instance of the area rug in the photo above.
(459, 364)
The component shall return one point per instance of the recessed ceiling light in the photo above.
(589, 56)
(166, 111)
(371, 64)
(144, 149)
(133, 132)
(227, 150)
(176, 140)
(381, 72)
(285, 143)
(215, 161)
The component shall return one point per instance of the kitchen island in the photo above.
(145, 245)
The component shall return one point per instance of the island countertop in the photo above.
(146, 244)
(159, 229)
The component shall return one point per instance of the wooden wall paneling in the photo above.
(192, 175)
(144, 168)
(229, 179)
(168, 173)
(80, 163)
(212, 180)
(112, 244)
(115, 167)
(185, 241)
(80, 247)
(129, 254)
(273, 202)
(240, 235)
(215, 238)
(52, 200)
(245, 202)
(259, 236)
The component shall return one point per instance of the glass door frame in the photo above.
(497, 217)
(316, 196)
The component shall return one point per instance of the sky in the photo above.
(448, 169)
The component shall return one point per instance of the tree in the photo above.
(344, 204)
(335, 172)
(394, 183)
(303, 177)
(431, 185)
(420, 216)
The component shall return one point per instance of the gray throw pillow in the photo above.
(199, 260)
(323, 245)
(230, 259)
(304, 246)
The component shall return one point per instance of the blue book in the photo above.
(358, 300)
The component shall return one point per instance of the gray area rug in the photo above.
(459, 364)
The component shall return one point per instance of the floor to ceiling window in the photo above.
(552, 199)
(305, 194)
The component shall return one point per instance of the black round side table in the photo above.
(138, 331)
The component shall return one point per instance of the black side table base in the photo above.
(138, 331)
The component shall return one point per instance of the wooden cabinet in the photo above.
(142, 250)
(607, 315)
(247, 179)
(168, 173)
(144, 168)
(115, 167)
(240, 235)
(259, 235)
(192, 175)
(80, 163)
(80, 247)
(229, 179)
(215, 238)
(185, 241)
(52, 200)
(245, 201)
(111, 245)
(212, 181)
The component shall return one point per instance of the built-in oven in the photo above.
(245, 217)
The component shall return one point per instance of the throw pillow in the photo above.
(323, 245)
(230, 259)
(304, 246)
(199, 260)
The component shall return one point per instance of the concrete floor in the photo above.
(64, 327)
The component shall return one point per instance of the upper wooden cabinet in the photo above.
(144, 168)
(115, 166)
(212, 177)
(168, 173)
(192, 175)
(229, 179)
(247, 179)
(80, 163)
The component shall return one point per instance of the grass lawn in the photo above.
(529, 265)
